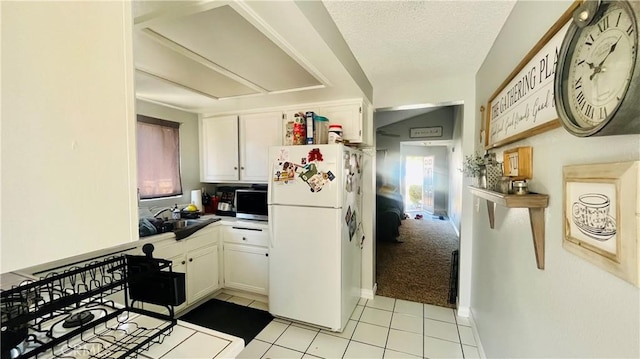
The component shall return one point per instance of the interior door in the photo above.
(428, 190)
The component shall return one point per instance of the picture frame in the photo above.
(523, 105)
(518, 163)
(425, 132)
(600, 211)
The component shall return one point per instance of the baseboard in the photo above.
(463, 312)
(476, 336)
(248, 295)
(455, 228)
(369, 293)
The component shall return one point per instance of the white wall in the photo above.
(189, 155)
(68, 130)
(571, 308)
(455, 176)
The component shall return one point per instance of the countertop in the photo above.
(224, 220)
(185, 341)
(192, 341)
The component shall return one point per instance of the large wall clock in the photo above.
(597, 83)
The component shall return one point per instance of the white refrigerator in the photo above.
(315, 214)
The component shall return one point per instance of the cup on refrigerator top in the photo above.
(335, 133)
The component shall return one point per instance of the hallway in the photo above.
(419, 268)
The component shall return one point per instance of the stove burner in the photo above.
(78, 319)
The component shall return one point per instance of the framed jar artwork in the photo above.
(518, 163)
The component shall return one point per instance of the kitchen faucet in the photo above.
(162, 210)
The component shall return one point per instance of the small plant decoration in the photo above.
(472, 165)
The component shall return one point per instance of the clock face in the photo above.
(599, 67)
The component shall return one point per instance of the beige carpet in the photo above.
(418, 269)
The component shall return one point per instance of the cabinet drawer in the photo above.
(244, 235)
(202, 238)
(168, 251)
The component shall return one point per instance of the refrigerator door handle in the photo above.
(270, 234)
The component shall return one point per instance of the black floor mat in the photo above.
(238, 320)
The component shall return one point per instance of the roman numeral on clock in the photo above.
(578, 82)
(630, 30)
(592, 40)
(603, 25)
(603, 112)
(589, 111)
(580, 98)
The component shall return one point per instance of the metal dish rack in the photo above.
(88, 286)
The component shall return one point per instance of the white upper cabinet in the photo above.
(352, 114)
(235, 149)
(349, 115)
(219, 149)
(258, 132)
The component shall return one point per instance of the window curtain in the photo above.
(158, 158)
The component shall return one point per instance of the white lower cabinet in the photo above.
(198, 256)
(246, 268)
(202, 269)
(240, 253)
(246, 259)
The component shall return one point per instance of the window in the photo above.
(158, 158)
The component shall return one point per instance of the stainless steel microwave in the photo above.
(251, 204)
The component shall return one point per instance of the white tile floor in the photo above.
(379, 328)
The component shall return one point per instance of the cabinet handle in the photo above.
(235, 168)
(190, 259)
(244, 238)
(183, 262)
(266, 254)
(242, 168)
(248, 229)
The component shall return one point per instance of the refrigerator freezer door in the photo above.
(319, 184)
(305, 265)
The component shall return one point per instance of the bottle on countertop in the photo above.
(206, 201)
(175, 212)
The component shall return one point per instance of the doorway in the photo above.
(418, 265)
(419, 184)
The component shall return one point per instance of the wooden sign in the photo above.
(518, 163)
(524, 105)
(421, 132)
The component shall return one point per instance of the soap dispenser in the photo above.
(175, 212)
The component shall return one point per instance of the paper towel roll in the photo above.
(196, 199)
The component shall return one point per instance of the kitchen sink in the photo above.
(193, 225)
(190, 226)
(193, 222)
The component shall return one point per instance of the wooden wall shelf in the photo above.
(535, 202)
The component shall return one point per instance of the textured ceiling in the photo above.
(399, 42)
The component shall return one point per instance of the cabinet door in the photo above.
(246, 268)
(178, 266)
(258, 132)
(347, 115)
(202, 269)
(219, 149)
